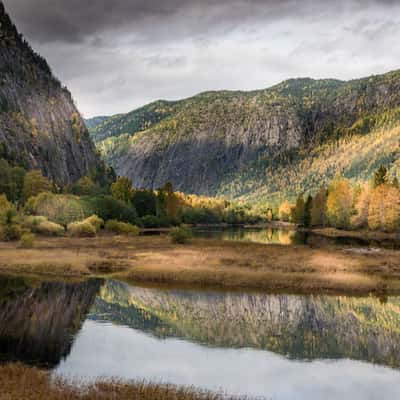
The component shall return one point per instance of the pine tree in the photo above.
(380, 176)
(318, 209)
(307, 211)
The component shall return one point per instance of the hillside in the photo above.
(40, 127)
(265, 144)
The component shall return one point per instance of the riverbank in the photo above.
(19, 382)
(208, 263)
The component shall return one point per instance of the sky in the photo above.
(117, 55)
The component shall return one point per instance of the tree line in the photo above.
(374, 205)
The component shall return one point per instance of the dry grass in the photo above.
(359, 234)
(18, 382)
(208, 263)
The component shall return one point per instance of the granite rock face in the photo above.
(197, 144)
(40, 127)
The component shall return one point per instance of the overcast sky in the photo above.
(116, 55)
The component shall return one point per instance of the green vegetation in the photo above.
(27, 241)
(81, 229)
(180, 235)
(121, 228)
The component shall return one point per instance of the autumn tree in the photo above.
(318, 208)
(85, 187)
(339, 205)
(360, 219)
(384, 209)
(285, 211)
(34, 184)
(122, 190)
(172, 201)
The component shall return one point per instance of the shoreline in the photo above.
(208, 264)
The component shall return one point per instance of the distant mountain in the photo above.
(261, 145)
(94, 122)
(40, 127)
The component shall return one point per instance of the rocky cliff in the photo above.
(40, 127)
(232, 142)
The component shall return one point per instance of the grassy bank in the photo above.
(19, 382)
(208, 263)
(358, 234)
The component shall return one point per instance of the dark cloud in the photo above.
(118, 54)
(74, 20)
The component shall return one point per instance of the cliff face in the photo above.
(225, 142)
(40, 127)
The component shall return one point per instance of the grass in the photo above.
(208, 263)
(20, 382)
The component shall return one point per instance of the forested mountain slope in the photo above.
(265, 144)
(40, 127)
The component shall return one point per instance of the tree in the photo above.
(285, 211)
(145, 202)
(339, 205)
(318, 208)
(172, 202)
(307, 211)
(122, 190)
(297, 212)
(85, 187)
(360, 220)
(384, 209)
(380, 176)
(34, 184)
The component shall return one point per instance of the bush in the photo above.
(95, 221)
(151, 221)
(27, 241)
(122, 228)
(61, 209)
(32, 222)
(108, 208)
(11, 232)
(49, 228)
(180, 235)
(81, 229)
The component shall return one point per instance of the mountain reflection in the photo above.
(301, 327)
(39, 321)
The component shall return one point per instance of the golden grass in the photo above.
(204, 263)
(18, 382)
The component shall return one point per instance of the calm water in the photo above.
(286, 237)
(266, 346)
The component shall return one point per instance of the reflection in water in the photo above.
(37, 324)
(278, 346)
(288, 237)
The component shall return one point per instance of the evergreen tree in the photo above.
(318, 209)
(307, 211)
(380, 176)
(297, 214)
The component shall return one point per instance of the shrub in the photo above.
(49, 228)
(27, 240)
(180, 235)
(61, 209)
(81, 229)
(121, 228)
(151, 221)
(95, 221)
(11, 232)
(32, 222)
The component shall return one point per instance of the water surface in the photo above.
(269, 346)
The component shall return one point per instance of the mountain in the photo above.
(95, 121)
(260, 145)
(40, 127)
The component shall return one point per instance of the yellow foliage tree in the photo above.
(285, 211)
(360, 220)
(339, 205)
(122, 189)
(34, 184)
(384, 209)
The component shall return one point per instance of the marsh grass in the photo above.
(18, 382)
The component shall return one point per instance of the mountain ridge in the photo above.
(200, 143)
